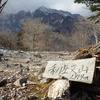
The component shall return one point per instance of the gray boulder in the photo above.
(2, 82)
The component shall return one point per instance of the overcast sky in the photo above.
(13, 6)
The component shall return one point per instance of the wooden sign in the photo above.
(75, 70)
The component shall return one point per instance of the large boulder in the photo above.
(59, 90)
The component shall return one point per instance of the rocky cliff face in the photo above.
(62, 21)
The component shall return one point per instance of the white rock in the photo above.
(23, 84)
(30, 82)
(20, 82)
(59, 88)
(17, 82)
(45, 80)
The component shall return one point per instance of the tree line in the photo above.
(37, 36)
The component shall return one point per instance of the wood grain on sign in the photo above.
(75, 70)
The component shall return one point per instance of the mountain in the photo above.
(62, 21)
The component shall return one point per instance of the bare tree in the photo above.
(7, 40)
(39, 37)
(33, 33)
(95, 30)
(80, 40)
(81, 36)
(56, 41)
(85, 29)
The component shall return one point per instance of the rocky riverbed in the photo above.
(21, 74)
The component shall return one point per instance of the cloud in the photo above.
(13, 6)
(72, 7)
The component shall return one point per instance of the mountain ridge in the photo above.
(62, 21)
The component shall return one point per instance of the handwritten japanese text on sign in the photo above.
(75, 70)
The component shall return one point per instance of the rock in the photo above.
(38, 55)
(2, 82)
(31, 68)
(1, 54)
(24, 98)
(23, 84)
(36, 73)
(1, 71)
(17, 82)
(32, 96)
(59, 90)
(20, 88)
(1, 50)
(3, 98)
(21, 51)
(8, 66)
(16, 64)
(30, 83)
(27, 62)
(21, 66)
(45, 80)
(40, 77)
(5, 59)
(82, 95)
(20, 82)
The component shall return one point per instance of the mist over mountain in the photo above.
(61, 21)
